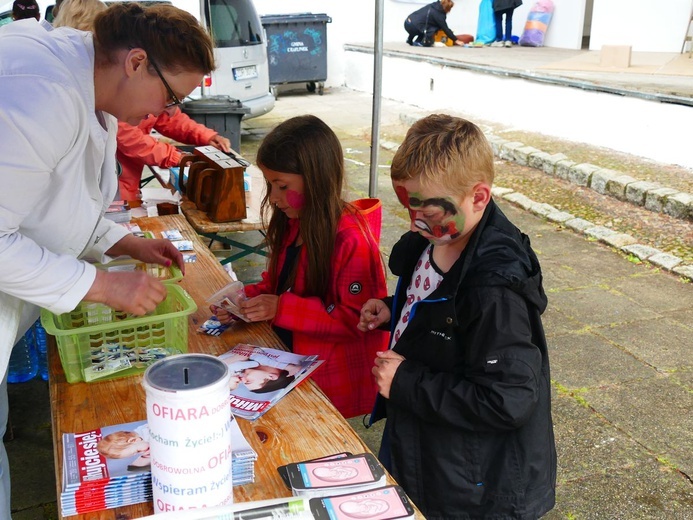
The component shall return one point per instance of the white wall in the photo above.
(353, 21)
(598, 119)
(643, 24)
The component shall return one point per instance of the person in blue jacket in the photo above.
(421, 25)
(465, 386)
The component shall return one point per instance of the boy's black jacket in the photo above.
(469, 418)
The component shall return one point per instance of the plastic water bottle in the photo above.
(23, 361)
(41, 349)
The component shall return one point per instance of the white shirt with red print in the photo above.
(424, 281)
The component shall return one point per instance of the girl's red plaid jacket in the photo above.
(328, 328)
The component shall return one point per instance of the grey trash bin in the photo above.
(297, 49)
(220, 113)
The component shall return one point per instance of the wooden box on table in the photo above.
(215, 184)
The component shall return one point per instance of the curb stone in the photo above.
(650, 195)
(621, 241)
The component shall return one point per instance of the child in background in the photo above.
(324, 261)
(466, 387)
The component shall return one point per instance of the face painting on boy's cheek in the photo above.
(442, 221)
(403, 197)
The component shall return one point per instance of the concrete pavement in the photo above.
(620, 336)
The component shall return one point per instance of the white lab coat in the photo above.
(57, 175)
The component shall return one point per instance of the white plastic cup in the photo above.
(189, 418)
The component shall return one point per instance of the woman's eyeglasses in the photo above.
(174, 99)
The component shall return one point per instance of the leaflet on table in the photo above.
(335, 476)
(261, 376)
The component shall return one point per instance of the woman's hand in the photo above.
(133, 292)
(373, 314)
(260, 308)
(386, 364)
(149, 250)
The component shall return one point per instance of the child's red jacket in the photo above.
(328, 328)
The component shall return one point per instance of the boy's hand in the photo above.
(386, 364)
(373, 314)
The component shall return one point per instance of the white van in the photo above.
(240, 52)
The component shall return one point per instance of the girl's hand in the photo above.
(260, 308)
(223, 315)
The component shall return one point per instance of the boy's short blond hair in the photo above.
(444, 151)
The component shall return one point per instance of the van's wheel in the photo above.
(321, 88)
(310, 86)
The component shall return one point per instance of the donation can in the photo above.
(189, 417)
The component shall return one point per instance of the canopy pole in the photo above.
(377, 91)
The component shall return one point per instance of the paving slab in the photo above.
(641, 492)
(656, 412)
(660, 343)
(584, 360)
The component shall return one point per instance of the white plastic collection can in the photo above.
(189, 419)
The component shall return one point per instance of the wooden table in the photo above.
(303, 425)
(219, 232)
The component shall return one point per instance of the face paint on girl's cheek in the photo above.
(295, 199)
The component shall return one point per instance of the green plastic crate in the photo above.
(171, 274)
(94, 340)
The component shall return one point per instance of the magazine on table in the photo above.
(261, 376)
(95, 478)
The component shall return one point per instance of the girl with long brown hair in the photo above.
(324, 260)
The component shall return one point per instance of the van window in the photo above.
(233, 23)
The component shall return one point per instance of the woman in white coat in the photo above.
(62, 91)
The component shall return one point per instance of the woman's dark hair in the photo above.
(282, 381)
(306, 146)
(173, 38)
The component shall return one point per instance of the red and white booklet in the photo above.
(98, 474)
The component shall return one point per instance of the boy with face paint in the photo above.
(465, 386)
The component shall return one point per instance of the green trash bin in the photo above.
(297, 49)
(220, 113)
